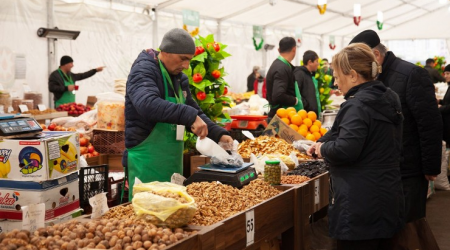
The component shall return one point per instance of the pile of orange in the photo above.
(305, 123)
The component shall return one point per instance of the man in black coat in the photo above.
(434, 74)
(422, 125)
(251, 79)
(444, 107)
(307, 83)
(280, 78)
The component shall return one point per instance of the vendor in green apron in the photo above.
(307, 82)
(158, 108)
(282, 90)
(62, 81)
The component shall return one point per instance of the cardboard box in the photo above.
(60, 196)
(39, 159)
(278, 127)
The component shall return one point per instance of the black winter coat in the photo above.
(250, 81)
(422, 126)
(145, 105)
(445, 112)
(434, 74)
(280, 86)
(56, 83)
(307, 88)
(363, 148)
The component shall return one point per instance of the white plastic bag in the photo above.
(259, 163)
(302, 145)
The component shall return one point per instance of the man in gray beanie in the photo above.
(158, 107)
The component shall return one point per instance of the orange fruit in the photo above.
(286, 120)
(296, 119)
(307, 122)
(312, 115)
(317, 123)
(310, 137)
(303, 132)
(291, 113)
(314, 128)
(317, 135)
(323, 131)
(291, 109)
(294, 127)
(303, 113)
(303, 126)
(282, 113)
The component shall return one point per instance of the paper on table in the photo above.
(208, 147)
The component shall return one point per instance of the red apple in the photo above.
(83, 142)
(95, 153)
(91, 149)
(52, 127)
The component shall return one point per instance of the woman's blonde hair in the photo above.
(359, 57)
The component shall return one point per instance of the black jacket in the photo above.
(445, 112)
(422, 126)
(56, 82)
(434, 74)
(250, 81)
(280, 86)
(145, 105)
(363, 148)
(307, 88)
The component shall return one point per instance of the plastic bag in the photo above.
(302, 145)
(234, 158)
(110, 111)
(218, 154)
(163, 204)
(259, 163)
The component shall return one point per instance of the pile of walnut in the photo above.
(97, 234)
(294, 179)
(268, 145)
(172, 195)
(216, 202)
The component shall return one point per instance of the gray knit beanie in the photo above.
(178, 41)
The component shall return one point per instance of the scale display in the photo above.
(17, 126)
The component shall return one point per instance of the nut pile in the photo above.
(310, 169)
(99, 234)
(120, 213)
(172, 195)
(217, 202)
(268, 145)
(294, 179)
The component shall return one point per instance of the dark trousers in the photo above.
(415, 190)
(374, 244)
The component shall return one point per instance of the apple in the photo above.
(52, 127)
(95, 153)
(91, 149)
(83, 142)
(83, 150)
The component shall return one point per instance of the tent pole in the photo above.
(322, 38)
(155, 30)
(51, 44)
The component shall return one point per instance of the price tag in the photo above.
(316, 192)
(42, 107)
(250, 226)
(33, 217)
(1, 87)
(23, 108)
(177, 179)
(99, 204)
(26, 88)
(10, 109)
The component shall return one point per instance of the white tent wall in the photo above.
(19, 22)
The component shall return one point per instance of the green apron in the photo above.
(316, 85)
(67, 96)
(160, 155)
(299, 104)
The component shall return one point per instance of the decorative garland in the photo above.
(379, 25)
(192, 33)
(357, 20)
(322, 9)
(258, 46)
(332, 46)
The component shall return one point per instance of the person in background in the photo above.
(307, 82)
(62, 81)
(328, 71)
(363, 147)
(159, 107)
(444, 107)
(422, 124)
(260, 83)
(251, 79)
(434, 74)
(282, 90)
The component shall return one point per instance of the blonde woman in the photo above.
(363, 148)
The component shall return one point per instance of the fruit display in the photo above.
(263, 145)
(73, 108)
(310, 169)
(216, 201)
(86, 148)
(294, 179)
(114, 234)
(305, 123)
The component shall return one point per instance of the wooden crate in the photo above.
(272, 218)
(97, 160)
(320, 191)
(115, 163)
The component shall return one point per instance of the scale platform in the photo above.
(235, 177)
(12, 126)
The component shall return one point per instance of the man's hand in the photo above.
(430, 177)
(314, 150)
(100, 69)
(199, 128)
(70, 87)
(226, 142)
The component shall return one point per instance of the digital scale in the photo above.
(249, 122)
(236, 177)
(12, 126)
